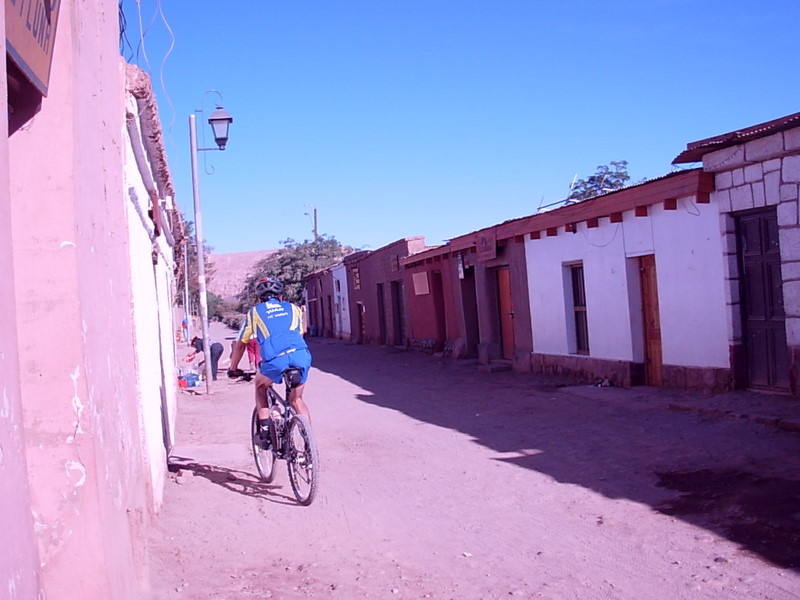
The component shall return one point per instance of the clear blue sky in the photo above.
(399, 118)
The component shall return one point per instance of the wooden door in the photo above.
(762, 301)
(382, 332)
(361, 328)
(506, 309)
(398, 314)
(469, 302)
(437, 291)
(652, 320)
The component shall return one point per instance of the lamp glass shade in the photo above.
(220, 121)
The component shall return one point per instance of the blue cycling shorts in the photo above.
(274, 368)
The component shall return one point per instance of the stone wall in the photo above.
(589, 370)
(759, 173)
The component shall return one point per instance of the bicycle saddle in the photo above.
(293, 375)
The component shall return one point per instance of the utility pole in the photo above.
(201, 263)
(187, 314)
(220, 121)
(313, 215)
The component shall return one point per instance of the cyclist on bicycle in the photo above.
(278, 327)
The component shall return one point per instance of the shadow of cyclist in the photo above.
(232, 480)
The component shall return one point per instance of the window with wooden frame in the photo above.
(579, 309)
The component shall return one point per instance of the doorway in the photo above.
(398, 314)
(653, 361)
(382, 334)
(437, 290)
(469, 300)
(763, 318)
(506, 310)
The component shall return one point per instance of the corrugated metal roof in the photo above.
(695, 150)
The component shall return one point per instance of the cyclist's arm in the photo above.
(240, 345)
(238, 351)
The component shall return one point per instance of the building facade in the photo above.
(377, 295)
(629, 287)
(756, 172)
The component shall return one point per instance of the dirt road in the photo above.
(442, 482)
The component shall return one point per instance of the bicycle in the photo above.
(290, 438)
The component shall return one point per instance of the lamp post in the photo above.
(220, 121)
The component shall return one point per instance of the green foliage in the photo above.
(291, 264)
(234, 321)
(603, 181)
(215, 305)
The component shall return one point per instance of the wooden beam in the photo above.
(640, 211)
(616, 217)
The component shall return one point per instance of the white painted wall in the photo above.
(342, 319)
(687, 244)
(153, 327)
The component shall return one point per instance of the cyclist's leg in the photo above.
(302, 360)
(298, 404)
(262, 382)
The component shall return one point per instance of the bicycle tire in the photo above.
(265, 457)
(302, 460)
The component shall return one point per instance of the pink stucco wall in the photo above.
(19, 559)
(73, 313)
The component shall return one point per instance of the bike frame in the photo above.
(274, 399)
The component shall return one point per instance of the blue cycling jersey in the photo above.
(278, 327)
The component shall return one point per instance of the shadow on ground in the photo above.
(232, 480)
(737, 478)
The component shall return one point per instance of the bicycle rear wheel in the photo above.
(265, 457)
(303, 460)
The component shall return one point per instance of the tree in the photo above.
(291, 264)
(188, 253)
(603, 181)
(215, 305)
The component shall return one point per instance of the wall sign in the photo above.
(487, 244)
(420, 280)
(30, 37)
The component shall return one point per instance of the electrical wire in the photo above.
(173, 113)
(609, 242)
(123, 30)
(695, 212)
(143, 33)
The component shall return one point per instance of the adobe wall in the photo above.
(379, 268)
(511, 255)
(72, 292)
(423, 327)
(20, 575)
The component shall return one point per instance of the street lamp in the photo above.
(220, 122)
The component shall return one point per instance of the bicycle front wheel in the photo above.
(262, 451)
(303, 460)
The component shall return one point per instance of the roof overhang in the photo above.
(695, 150)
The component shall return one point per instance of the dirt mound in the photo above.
(232, 269)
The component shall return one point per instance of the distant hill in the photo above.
(232, 269)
